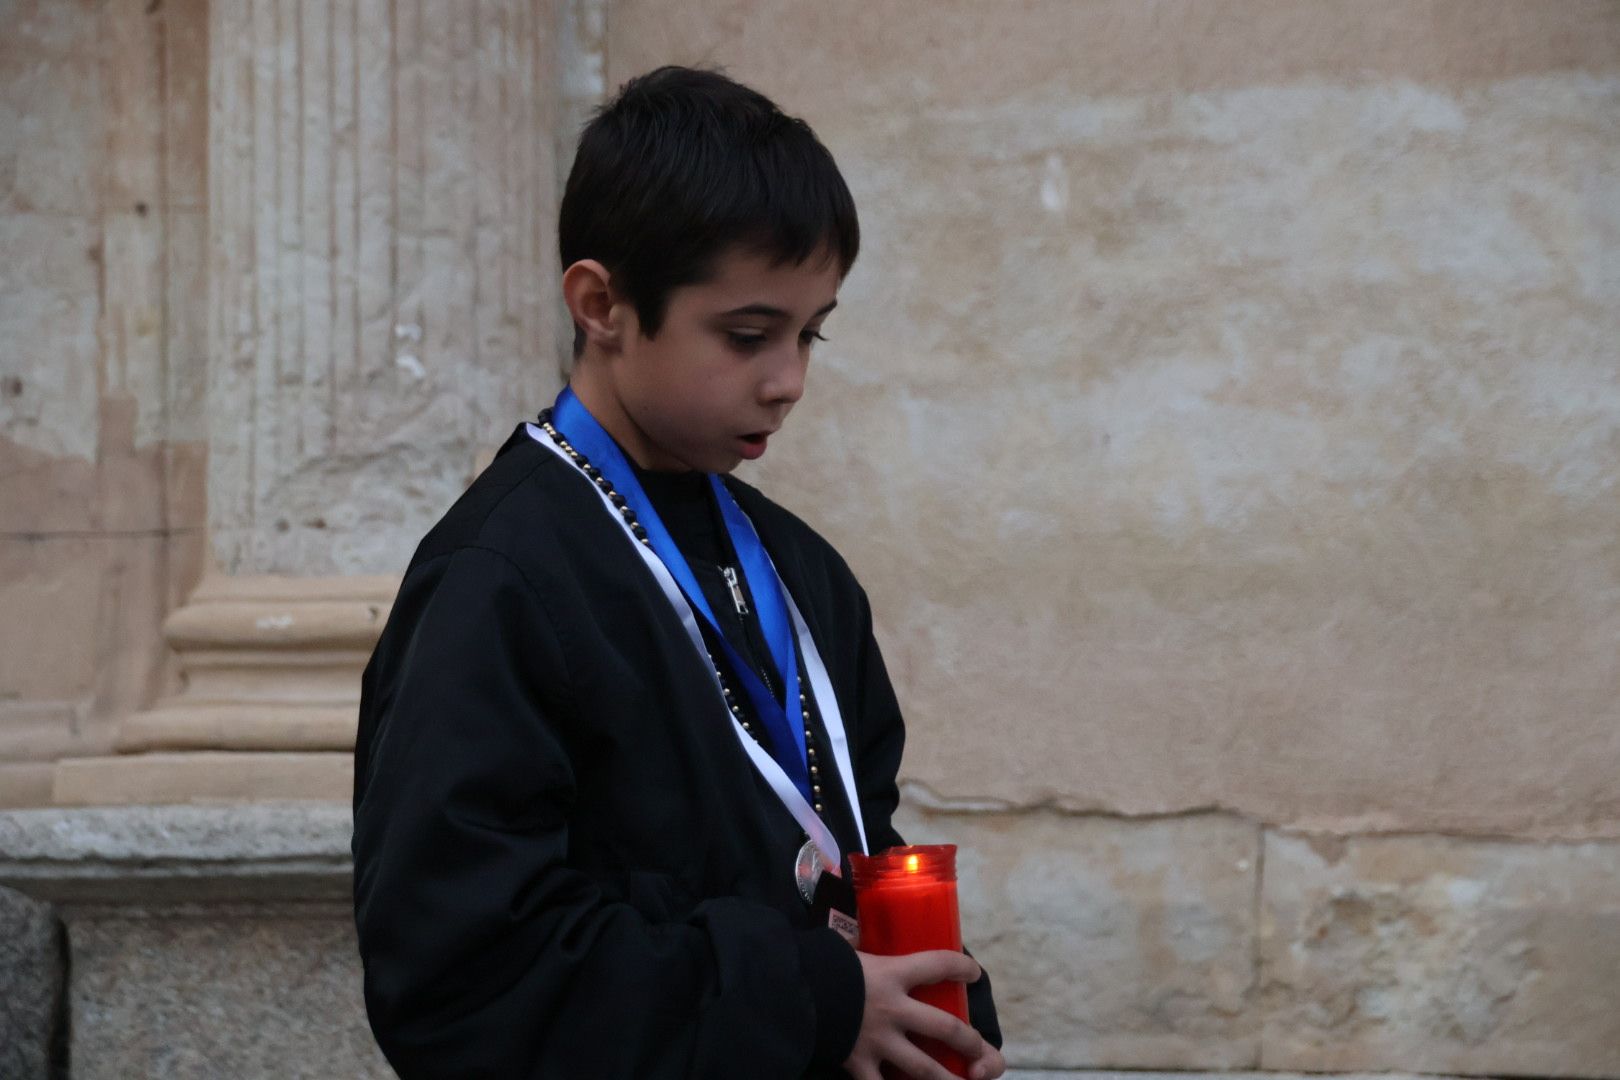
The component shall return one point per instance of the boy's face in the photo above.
(726, 366)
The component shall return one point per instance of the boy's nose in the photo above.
(786, 385)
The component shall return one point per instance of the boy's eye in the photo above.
(751, 341)
(745, 342)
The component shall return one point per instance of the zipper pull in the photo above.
(736, 590)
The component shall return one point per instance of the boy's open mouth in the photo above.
(754, 445)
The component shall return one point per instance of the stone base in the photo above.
(33, 964)
(217, 941)
(1206, 942)
(206, 942)
(203, 776)
(267, 990)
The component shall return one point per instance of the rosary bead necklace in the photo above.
(620, 504)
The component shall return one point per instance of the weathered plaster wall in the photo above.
(102, 199)
(1225, 410)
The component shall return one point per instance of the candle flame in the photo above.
(913, 863)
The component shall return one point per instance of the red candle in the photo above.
(906, 902)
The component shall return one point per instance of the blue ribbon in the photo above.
(786, 738)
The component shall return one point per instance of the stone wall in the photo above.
(103, 144)
(1240, 383)
(1224, 416)
(1206, 941)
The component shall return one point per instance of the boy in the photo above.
(624, 709)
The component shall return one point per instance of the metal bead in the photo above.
(814, 771)
(818, 808)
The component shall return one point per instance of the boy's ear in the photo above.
(588, 292)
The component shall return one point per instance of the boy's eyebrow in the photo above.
(772, 312)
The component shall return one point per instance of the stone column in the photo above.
(381, 201)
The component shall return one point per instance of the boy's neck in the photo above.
(595, 391)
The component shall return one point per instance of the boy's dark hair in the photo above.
(686, 163)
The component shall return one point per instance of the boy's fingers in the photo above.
(940, 965)
(910, 1059)
(921, 1019)
(990, 1064)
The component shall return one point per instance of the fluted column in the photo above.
(381, 229)
(380, 307)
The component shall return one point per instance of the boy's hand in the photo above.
(891, 1017)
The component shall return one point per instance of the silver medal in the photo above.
(807, 870)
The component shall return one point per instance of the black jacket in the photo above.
(565, 865)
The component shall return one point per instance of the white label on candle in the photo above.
(847, 927)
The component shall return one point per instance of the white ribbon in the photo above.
(820, 687)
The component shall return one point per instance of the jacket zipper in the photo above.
(740, 602)
(736, 590)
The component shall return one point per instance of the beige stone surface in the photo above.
(48, 381)
(1439, 954)
(55, 585)
(1225, 409)
(963, 52)
(266, 663)
(267, 992)
(381, 213)
(1126, 944)
(26, 783)
(203, 776)
(101, 464)
(83, 640)
(48, 116)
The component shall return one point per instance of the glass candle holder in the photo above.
(905, 899)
